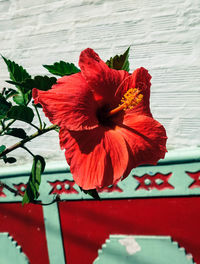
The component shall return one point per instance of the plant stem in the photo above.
(27, 139)
(9, 188)
(34, 126)
(16, 193)
(6, 127)
(28, 151)
(3, 126)
(38, 115)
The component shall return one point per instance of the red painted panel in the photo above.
(26, 226)
(87, 224)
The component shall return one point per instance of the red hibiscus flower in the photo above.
(106, 126)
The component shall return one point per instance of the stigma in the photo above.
(130, 99)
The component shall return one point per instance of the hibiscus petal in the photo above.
(103, 80)
(97, 158)
(70, 103)
(141, 79)
(146, 139)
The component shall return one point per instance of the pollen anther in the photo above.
(130, 99)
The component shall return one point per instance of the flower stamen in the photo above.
(130, 99)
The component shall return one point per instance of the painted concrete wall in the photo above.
(164, 37)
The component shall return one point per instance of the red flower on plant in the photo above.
(106, 126)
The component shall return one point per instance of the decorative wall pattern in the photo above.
(22, 234)
(151, 205)
(196, 177)
(169, 178)
(86, 225)
(123, 249)
(10, 251)
(157, 181)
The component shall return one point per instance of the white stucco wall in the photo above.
(164, 37)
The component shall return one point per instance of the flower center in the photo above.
(103, 118)
(130, 99)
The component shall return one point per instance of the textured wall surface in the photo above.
(164, 37)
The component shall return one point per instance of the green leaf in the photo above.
(10, 93)
(119, 62)
(62, 68)
(22, 113)
(9, 160)
(4, 107)
(57, 129)
(33, 184)
(16, 132)
(43, 83)
(27, 194)
(20, 99)
(2, 148)
(24, 94)
(92, 192)
(17, 72)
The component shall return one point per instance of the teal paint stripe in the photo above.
(24, 170)
(177, 156)
(53, 234)
(179, 180)
(177, 163)
(181, 156)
